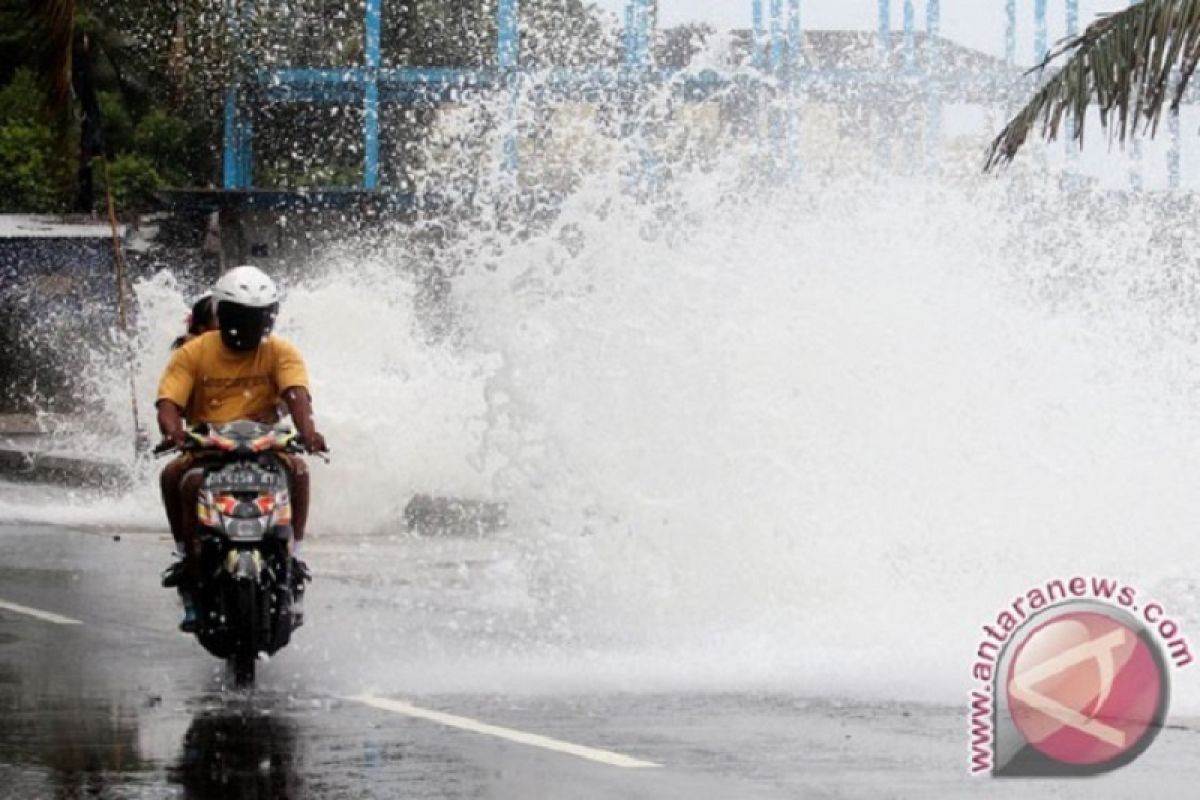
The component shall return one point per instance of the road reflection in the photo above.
(59, 736)
(240, 754)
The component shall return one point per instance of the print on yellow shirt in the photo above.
(214, 384)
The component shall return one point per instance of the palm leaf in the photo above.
(1123, 66)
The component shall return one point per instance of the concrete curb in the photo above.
(21, 425)
(37, 467)
(424, 515)
(42, 424)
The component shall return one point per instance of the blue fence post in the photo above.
(776, 36)
(933, 68)
(246, 151)
(371, 96)
(1010, 32)
(508, 33)
(1041, 45)
(884, 36)
(639, 46)
(231, 158)
(775, 113)
(245, 137)
(910, 35)
(794, 28)
(793, 70)
(646, 33)
(633, 34)
(638, 12)
(933, 32)
(508, 54)
(885, 27)
(757, 34)
(645, 168)
(908, 67)
(638, 42)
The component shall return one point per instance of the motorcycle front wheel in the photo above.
(245, 655)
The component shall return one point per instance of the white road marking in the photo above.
(521, 737)
(42, 615)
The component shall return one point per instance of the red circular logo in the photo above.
(1084, 688)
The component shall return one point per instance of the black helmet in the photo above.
(244, 327)
(247, 303)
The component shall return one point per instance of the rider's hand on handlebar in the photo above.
(314, 442)
(174, 439)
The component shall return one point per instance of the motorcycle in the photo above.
(248, 591)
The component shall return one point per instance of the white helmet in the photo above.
(247, 302)
(246, 286)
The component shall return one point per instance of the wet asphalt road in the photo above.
(121, 706)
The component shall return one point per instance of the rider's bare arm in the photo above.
(300, 405)
(170, 422)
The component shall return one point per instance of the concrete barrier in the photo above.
(24, 456)
(27, 453)
(426, 515)
(40, 467)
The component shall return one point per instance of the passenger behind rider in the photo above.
(202, 319)
(237, 372)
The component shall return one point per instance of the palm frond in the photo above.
(56, 20)
(1122, 64)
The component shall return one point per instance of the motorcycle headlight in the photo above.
(246, 529)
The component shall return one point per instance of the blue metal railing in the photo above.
(1041, 47)
(374, 10)
(776, 49)
(372, 85)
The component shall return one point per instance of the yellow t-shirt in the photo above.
(214, 384)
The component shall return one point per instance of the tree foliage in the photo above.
(157, 72)
(1122, 65)
(134, 182)
(169, 144)
(25, 169)
(30, 168)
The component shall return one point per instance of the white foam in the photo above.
(817, 435)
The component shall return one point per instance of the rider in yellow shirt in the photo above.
(239, 371)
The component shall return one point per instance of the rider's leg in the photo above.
(189, 494)
(298, 471)
(172, 497)
(298, 482)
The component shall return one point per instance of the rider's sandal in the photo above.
(173, 575)
(188, 625)
(301, 575)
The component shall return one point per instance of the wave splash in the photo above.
(816, 435)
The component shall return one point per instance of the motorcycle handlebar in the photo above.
(162, 448)
(295, 446)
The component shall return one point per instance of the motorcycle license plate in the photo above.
(242, 478)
